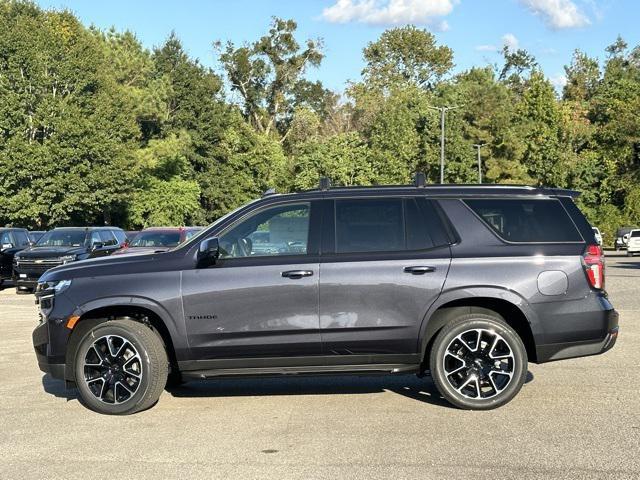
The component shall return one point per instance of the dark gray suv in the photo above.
(467, 282)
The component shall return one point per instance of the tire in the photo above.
(120, 367)
(483, 375)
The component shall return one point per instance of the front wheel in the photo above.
(478, 362)
(121, 367)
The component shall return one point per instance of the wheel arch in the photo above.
(507, 305)
(154, 316)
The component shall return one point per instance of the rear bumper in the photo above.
(562, 351)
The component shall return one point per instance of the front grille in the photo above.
(37, 265)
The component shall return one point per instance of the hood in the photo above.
(140, 250)
(51, 252)
(115, 265)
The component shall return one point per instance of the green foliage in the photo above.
(66, 129)
(268, 75)
(96, 128)
(406, 55)
(343, 158)
(165, 202)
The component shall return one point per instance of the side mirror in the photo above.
(209, 248)
(7, 245)
(96, 246)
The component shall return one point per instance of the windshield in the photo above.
(156, 239)
(203, 232)
(62, 238)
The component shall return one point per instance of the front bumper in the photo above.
(51, 364)
(562, 351)
(25, 278)
(51, 336)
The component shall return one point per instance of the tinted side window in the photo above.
(527, 220)
(120, 236)
(189, 233)
(418, 237)
(380, 225)
(21, 237)
(5, 238)
(280, 230)
(95, 237)
(107, 238)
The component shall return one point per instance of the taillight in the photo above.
(593, 260)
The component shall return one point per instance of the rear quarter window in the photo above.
(526, 221)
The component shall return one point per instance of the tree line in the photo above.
(95, 128)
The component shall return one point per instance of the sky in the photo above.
(476, 30)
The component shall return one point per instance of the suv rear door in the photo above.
(384, 262)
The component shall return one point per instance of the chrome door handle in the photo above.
(297, 273)
(419, 269)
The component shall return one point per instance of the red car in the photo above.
(158, 239)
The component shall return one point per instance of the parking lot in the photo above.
(573, 419)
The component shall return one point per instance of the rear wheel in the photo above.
(478, 362)
(121, 367)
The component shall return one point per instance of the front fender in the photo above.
(174, 326)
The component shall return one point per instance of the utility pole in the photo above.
(442, 111)
(479, 146)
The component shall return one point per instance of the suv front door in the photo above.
(260, 298)
(385, 263)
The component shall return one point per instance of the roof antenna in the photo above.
(419, 180)
(325, 183)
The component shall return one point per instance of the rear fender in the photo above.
(431, 322)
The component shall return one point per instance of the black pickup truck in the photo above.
(12, 240)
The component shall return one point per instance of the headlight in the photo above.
(57, 287)
(68, 258)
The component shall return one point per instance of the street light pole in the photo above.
(442, 111)
(479, 146)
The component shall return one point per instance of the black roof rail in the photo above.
(325, 183)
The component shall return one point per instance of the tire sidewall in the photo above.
(87, 397)
(461, 325)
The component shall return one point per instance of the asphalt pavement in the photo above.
(573, 419)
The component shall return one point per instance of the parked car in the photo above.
(158, 239)
(598, 235)
(622, 235)
(60, 246)
(130, 234)
(633, 244)
(35, 235)
(468, 282)
(12, 240)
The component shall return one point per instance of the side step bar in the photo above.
(369, 369)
